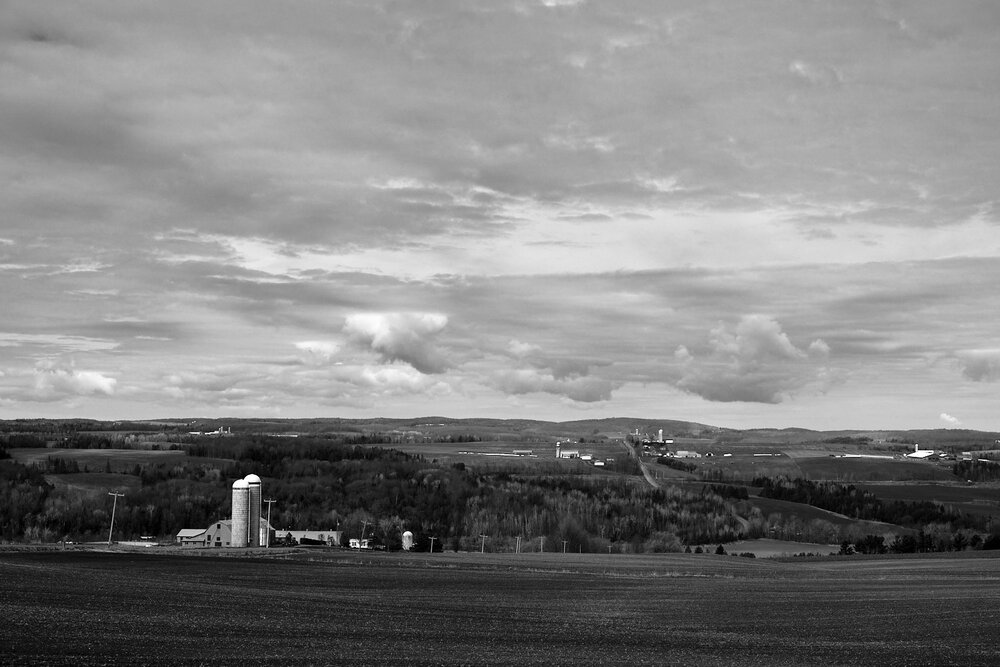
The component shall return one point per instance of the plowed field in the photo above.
(451, 609)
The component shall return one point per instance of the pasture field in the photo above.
(94, 483)
(117, 608)
(119, 460)
(874, 470)
(500, 453)
(982, 499)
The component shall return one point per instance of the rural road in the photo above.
(642, 466)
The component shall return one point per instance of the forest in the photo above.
(351, 482)
(346, 483)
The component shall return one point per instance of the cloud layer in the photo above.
(769, 214)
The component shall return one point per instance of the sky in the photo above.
(773, 213)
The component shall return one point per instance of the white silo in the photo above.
(241, 518)
(407, 541)
(253, 515)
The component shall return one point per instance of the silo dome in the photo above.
(240, 484)
(407, 541)
(252, 479)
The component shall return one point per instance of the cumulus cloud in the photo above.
(406, 337)
(754, 362)
(520, 349)
(951, 421)
(393, 379)
(322, 350)
(580, 388)
(817, 75)
(54, 383)
(551, 374)
(980, 365)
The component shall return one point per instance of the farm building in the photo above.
(191, 537)
(359, 543)
(567, 453)
(219, 534)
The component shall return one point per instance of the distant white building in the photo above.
(918, 453)
(566, 453)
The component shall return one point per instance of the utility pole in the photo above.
(432, 544)
(113, 508)
(564, 546)
(482, 548)
(541, 547)
(517, 549)
(269, 501)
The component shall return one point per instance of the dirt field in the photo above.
(309, 608)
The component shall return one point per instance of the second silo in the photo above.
(253, 517)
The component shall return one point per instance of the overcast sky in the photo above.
(768, 213)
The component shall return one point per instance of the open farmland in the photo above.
(864, 470)
(126, 608)
(960, 497)
(118, 460)
(532, 458)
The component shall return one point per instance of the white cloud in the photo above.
(519, 349)
(62, 343)
(392, 379)
(407, 337)
(754, 362)
(580, 388)
(323, 350)
(54, 383)
(948, 419)
(817, 75)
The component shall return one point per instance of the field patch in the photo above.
(94, 483)
(964, 498)
(872, 470)
(96, 460)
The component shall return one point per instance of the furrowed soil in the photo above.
(300, 607)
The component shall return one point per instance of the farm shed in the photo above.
(191, 537)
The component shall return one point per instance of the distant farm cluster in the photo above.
(246, 528)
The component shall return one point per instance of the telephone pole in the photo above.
(432, 544)
(269, 501)
(113, 508)
(482, 549)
